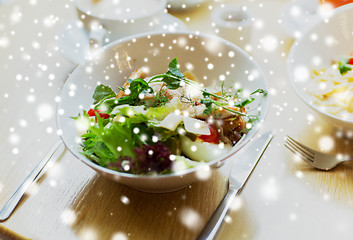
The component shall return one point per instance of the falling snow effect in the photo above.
(203, 173)
(41, 64)
(120, 236)
(68, 217)
(270, 190)
(125, 200)
(190, 218)
(89, 234)
(237, 204)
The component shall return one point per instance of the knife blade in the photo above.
(240, 172)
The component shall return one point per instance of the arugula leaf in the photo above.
(102, 92)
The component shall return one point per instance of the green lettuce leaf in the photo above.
(104, 144)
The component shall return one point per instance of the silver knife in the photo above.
(239, 174)
(11, 204)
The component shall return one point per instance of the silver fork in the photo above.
(323, 161)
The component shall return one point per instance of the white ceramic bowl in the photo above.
(209, 56)
(325, 41)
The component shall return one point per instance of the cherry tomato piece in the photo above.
(350, 61)
(92, 113)
(213, 137)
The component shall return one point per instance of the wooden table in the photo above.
(283, 199)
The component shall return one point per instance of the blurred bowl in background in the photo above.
(184, 5)
(298, 16)
(328, 40)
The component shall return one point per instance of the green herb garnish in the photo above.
(344, 66)
(160, 99)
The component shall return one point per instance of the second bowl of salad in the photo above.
(320, 68)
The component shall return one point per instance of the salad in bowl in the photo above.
(163, 123)
(153, 111)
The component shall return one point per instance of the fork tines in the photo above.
(299, 149)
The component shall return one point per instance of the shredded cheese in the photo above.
(333, 92)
